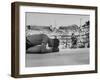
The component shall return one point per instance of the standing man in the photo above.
(66, 43)
(55, 44)
(73, 40)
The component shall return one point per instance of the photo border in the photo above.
(15, 32)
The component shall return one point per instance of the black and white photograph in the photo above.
(52, 39)
(57, 39)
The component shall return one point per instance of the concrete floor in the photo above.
(64, 57)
